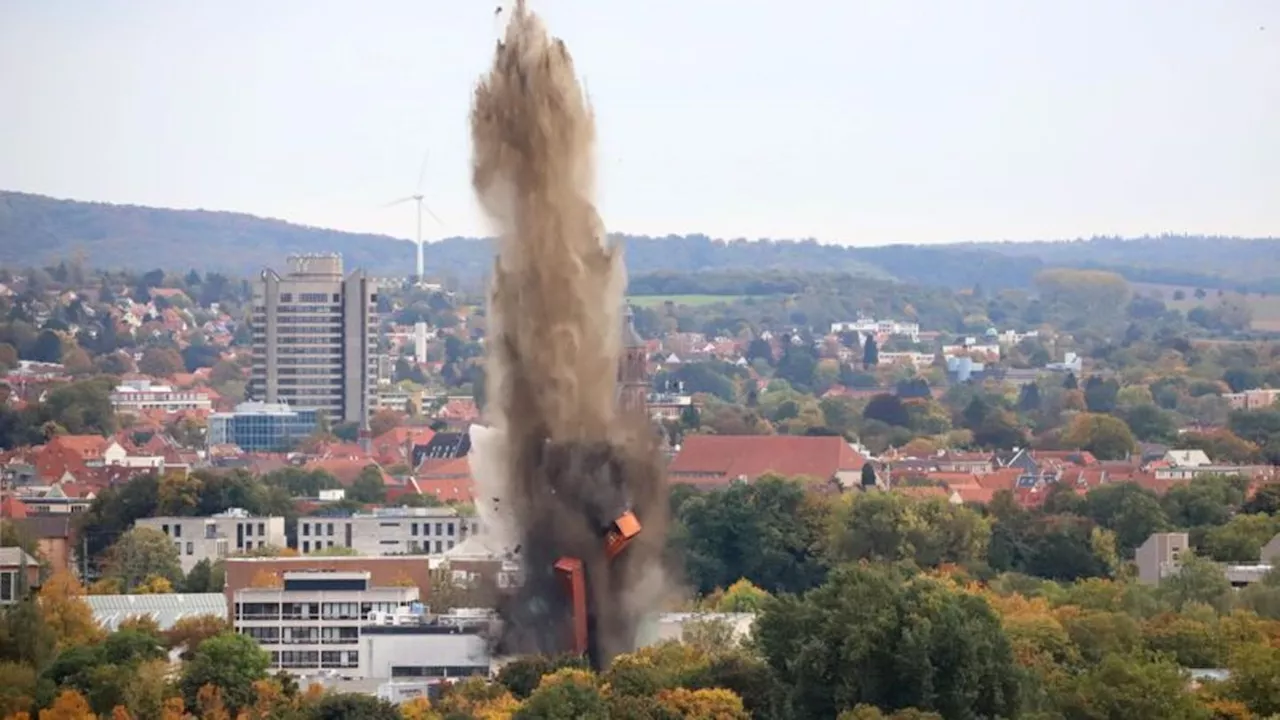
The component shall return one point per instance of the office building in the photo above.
(214, 538)
(341, 623)
(388, 531)
(135, 396)
(315, 338)
(262, 427)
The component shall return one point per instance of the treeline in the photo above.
(782, 538)
(37, 230)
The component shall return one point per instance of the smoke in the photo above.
(562, 454)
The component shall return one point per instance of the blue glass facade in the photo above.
(262, 427)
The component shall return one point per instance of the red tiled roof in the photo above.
(952, 478)
(1003, 479)
(1076, 457)
(396, 445)
(449, 490)
(974, 493)
(83, 446)
(722, 458)
(12, 508)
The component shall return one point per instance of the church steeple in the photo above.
(633, 367)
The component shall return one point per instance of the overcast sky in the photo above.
(846, 120)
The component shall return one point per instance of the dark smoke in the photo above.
(572, 461)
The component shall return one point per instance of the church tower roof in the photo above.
(631, 338)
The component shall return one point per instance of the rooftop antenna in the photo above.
(417, 198)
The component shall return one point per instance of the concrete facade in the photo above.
(388, 531)
(314, 338)
(217, 537)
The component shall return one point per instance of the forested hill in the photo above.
(41, 230)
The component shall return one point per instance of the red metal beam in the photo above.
(571, 574)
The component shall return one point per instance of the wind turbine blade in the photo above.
(400, 201)
(422, 173)
(432, 214)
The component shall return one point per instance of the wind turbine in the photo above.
(417, 198)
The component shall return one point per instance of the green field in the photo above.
(1266, 309)
(650, 301)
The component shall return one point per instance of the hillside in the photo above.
(38, 230)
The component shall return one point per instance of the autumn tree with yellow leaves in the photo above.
(64, 610)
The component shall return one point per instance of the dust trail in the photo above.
(562, 454)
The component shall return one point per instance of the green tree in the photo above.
(369, 486)
(893, 527)
(870, 352)
(1198, 581)
(742, 596)
(1107, 437)
(161, 362)
(767, 532)
(141, 553)
(230, 662)
(1240, 540)
(1255, 678)
(353, 706)
(17, 688)
(205, 577)
(872, 635)
(47, 348)
(1132, 512)
(566, 695)
(1125, 686)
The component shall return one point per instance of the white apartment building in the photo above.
(871, 326)
(340, 623)
(388, 531)
(135, 396)
(212, 538)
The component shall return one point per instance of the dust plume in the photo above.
(562, 454)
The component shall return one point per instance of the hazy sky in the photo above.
(847, 120)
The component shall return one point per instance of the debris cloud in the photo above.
(562, 456)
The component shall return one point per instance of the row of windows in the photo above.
(435, 671)
(310, 297)
(309, 370)
(312, 610)
(329, 340)
(443, 529)
(298, 659)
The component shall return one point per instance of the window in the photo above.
(177, 531)
(330, 532)
(306, 529)
(413, 528)
(450, 528)
(248, 529)
(191, 548)
(8, 589)
(439, 547)
(262, 530)
(306, 545)
(438, 530)
(164, 529)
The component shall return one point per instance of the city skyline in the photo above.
(862, 124)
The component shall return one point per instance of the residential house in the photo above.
(18, 570)
(717, 460)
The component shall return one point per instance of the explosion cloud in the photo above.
(561, 457)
